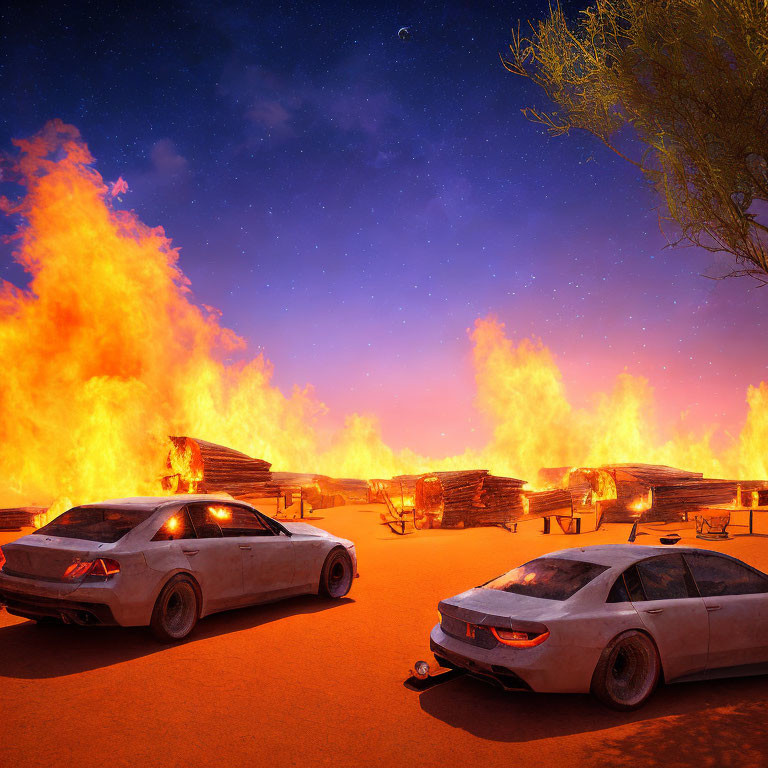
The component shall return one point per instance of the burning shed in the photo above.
(197, 466)
(468, 498)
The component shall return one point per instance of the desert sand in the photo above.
(311, 682)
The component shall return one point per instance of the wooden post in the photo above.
(302, 503)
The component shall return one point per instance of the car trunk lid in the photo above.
(489, 607)
(48, 559)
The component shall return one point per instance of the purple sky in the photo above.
(352, 203)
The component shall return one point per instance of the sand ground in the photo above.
(310, 682)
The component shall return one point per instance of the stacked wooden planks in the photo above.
(211, 468)
(745, 496)
(546, 503)
(445, 496)
(622, 489)
(500, 501)
(676, 501)
(653, 474)
(468, 498)
(16, 518)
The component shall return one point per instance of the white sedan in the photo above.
(613, 620)
(167, 561)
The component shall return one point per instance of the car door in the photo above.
(736, 599)
(215, 561)
(268, 558)
(665, 597)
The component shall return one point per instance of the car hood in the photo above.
(504, 609)
(305, 529)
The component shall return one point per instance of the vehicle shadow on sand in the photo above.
(676, 718)
(31, 651)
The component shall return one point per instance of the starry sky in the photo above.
(353, 202)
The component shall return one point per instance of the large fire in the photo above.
(105, 354)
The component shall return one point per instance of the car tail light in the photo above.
(2, 559)
(515, 638)
(102, 568)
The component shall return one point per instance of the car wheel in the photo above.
(627, 672)
(336, 577)
(176, 610)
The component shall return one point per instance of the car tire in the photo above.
(176, 610)
(627, 672)
(336, 576)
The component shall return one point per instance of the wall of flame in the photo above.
(105, 353)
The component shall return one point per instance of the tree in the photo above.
(679, 88)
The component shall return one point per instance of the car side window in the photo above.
(178, 526)
(618, 593)
(665, 578)
(626, 588)
(238, 521)
(716, 576)
(634, 585)
(206, 525)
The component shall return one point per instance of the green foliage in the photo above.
(690, 79)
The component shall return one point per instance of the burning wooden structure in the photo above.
(197, 466)
(468, 498)
(16, 518)
(400, 489)
(322, 491)
(650, 492)
(557, 502)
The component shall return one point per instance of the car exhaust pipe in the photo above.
(422, 679)
(80, 618)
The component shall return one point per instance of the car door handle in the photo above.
(654, 610)
(244, 546)
(190, 552)
(713, 607)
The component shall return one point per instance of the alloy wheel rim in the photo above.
(179, 613)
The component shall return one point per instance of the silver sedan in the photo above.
(613, 620)
(165, 562)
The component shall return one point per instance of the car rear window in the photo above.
(550, 578)
(103, 524)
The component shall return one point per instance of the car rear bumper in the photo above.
(71, 611)
(90, 603)
(544, 668)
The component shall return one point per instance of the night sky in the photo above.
(352, 202)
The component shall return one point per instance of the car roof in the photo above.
(619, 555)
(155, 502)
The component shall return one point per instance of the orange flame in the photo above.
(220, 513)
(105, 354)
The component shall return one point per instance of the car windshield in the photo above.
(104, 524)
(550, 578)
